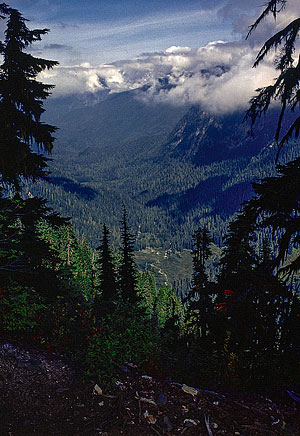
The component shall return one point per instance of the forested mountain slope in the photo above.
(174, 167)
(206, 138)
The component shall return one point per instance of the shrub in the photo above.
(63, 326)
(19, 309)
(125, 335)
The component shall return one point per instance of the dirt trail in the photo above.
(40, 394)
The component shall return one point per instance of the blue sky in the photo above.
(99, 31)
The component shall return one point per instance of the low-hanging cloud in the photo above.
(219, 76)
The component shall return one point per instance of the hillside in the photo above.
(174, 168)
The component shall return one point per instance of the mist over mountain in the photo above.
(209, 75)
(103, 119)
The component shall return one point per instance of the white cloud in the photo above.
(219, 76)
(222, 79)
(83, 78)
(177, 49)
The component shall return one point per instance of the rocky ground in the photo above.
(43, 394)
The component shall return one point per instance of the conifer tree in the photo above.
(239, 256)
(286, 86)
(278, 201)
(200, 295)
(21, 104)
(84, 268)
(25, 256)
(258, 309)
(254, 295)
(147, 290)
(107, 287)
(127, 269)
(21, 107)
(200, 254)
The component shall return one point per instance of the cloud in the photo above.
(176, 49)
(57, 47)
(219, 76)
(2, 29)
(243, 14)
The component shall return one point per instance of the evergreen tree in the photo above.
(287, 62)
(239, 256)
(200, 253)
(84, 268)
(21, 107)
(257, 301)
(127, 269)
(107, 287)
(200, 293)
(147, 290)
(73, 259)
(24, 256)
(277, 204)
(21, 104)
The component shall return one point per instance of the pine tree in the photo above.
(25, 257)
(239, 256)
(21, 107)
(278, 201)
(73, 259)
(107, 287)
(21, 104)
(84, 268)
(200, 254)
(147, 290)
(200, 295)
(258, 311)
(127, 270)
(255, 296)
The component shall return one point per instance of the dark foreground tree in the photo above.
(127, 269)
(286, 86)
(21, 104)
(259, 305)
(200, 294)
(23, 138)
(107, 287)
(200, 253)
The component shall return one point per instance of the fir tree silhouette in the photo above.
(107, 288)
(127, 269)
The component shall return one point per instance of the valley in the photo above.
(174, 168)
